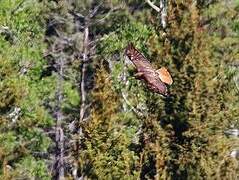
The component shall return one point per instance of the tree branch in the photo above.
(135, 110)
(94, 11)
(162, 10)
(153, 6)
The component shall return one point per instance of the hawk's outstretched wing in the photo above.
(147, 72)
(140, 62)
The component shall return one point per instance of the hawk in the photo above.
(156, 80)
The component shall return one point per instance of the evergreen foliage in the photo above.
(23, 116)
(70, 106)
(108, 134)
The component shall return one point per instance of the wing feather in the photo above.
(137, 58)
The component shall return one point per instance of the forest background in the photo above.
(71, 108)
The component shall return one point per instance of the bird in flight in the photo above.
(156, 80)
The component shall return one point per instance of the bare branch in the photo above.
(77, 15)
(153, 6)
(94, 11)
(103, 18)
(106, 16)
(135, 110)
(162, 10)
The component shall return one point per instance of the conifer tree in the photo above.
(181, 134)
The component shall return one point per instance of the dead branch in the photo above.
(83, 73)
(94, 11)
(162, 10)
(153, 6)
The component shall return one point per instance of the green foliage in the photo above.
(200, 107)
(71, 94)
(38, 169)
(129, 132)
(108, 133)
(21, 110)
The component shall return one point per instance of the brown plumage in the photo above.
(154, 79)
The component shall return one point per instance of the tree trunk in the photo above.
(83, 73)
(59, 133)
(163, 7)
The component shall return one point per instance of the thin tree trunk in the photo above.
(83, 90)
(83, 73)
(163, 7)
(83, 95)
(59, 133)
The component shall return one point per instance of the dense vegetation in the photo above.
(71, 108)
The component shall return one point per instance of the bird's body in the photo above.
(146, 72)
